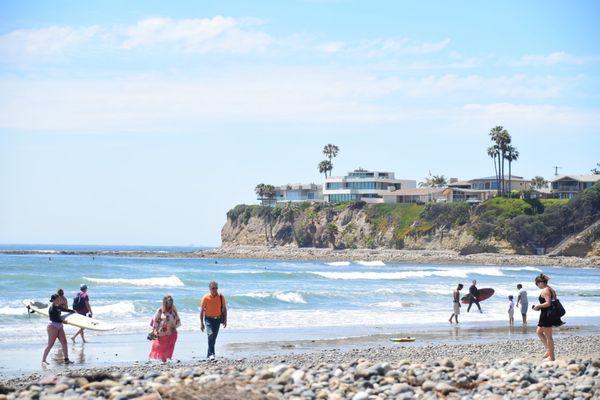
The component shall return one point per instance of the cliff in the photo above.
(508, 226)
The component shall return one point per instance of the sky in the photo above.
(143, 122)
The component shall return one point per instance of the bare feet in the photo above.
(73, 339)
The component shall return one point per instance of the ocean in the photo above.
(277, 300)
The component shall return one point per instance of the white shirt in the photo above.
(523, 298)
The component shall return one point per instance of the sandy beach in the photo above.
(324, 254)
(502, 369)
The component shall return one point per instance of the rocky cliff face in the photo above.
(507, 226)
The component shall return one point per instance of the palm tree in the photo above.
(492, 151)
(439, 181)
(331, 151)
(596, 170)
(325, 166)
(260, 191)
(512, 154)
(501, 138)
(539, 182)
(270, 192)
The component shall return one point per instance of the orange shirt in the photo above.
(212, 304)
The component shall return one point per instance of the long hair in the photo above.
(164, 303)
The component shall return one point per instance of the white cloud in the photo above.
(162, 103)
(396, 46)
(331, 47)
(46, 41)
(218, 34)
(555, 58)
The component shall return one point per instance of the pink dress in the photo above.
(166, 323)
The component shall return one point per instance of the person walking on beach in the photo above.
(55, 329)
(523, 302)
(511, 310)
(164, 327)
(63, 300)
(456, 303)
(473, 293)
(81, 305)
(213, 313)
(546, 321)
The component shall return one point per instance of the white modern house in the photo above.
(363, 185)
(295, 193)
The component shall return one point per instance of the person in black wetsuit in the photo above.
(55, 329)
(545, 323)
(473, 293)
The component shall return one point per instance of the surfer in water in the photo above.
(473, 293)
(55, 329)
(456, 303)
(81, 305)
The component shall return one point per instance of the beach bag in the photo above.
(151, 336)
(556, 310)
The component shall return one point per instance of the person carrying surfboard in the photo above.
(55, 329)
(456, 303)
(473, 293)
(213, 313)
(81, 305)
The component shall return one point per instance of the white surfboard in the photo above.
(78, 320)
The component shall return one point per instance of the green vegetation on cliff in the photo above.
(522, 225)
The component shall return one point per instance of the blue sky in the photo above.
(144, 122)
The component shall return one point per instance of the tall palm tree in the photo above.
(512, 154)
(501, 138)
(331, 151)
(492, 151)
(325, 166)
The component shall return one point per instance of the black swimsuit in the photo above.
(545, 320)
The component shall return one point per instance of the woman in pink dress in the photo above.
(165, 324)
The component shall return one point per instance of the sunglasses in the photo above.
(214, 288)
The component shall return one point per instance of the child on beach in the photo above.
(511, 310)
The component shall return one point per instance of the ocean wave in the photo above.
(163, 281)
(371, 263)
(13, 310)
(286, 297)
(522, 269)
(393, 304)
(451, 272)
(119, 308)
(339, 263)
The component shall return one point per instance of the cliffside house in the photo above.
(491, 183)
(363, 185)
(567, 186)
(437, 195)
(295, 193)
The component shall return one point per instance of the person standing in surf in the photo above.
(165, 323)
(456, 303)
(213, 313)
(511, 310)
(473, 293)
(523, 302)
(546, 321)
(81, 305)
(55, 329)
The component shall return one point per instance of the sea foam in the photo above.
(163, 281)
(339, 263)
(371, 263)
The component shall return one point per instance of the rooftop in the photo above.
(580, 178)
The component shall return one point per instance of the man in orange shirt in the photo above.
(213, 311)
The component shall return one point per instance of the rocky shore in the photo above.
(324, 254)
(509, 369)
